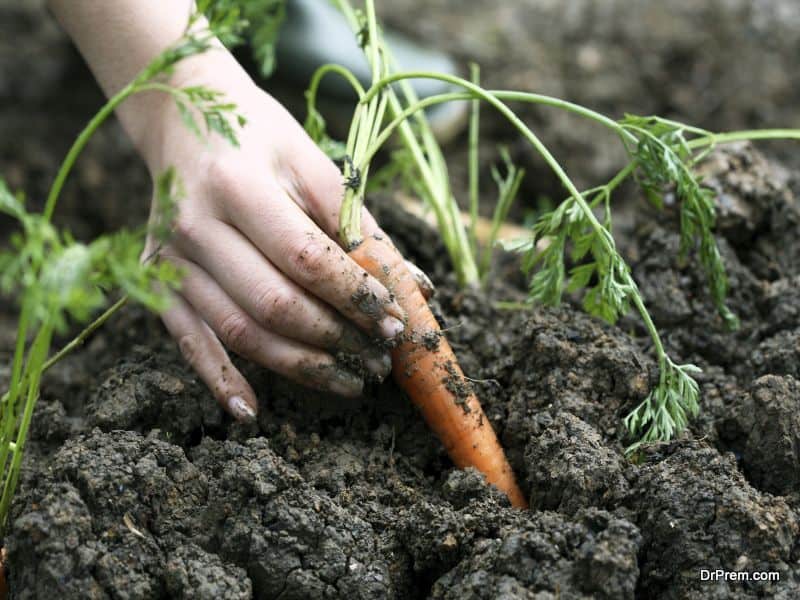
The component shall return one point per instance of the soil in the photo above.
(136, 485)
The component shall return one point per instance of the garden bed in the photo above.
(135, 485)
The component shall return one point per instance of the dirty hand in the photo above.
(255, 233)
(255, 241)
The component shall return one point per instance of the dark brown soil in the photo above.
(137, 486)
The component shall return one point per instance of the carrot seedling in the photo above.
(662, 156)
(58, 280)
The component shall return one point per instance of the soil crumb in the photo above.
(457, 385)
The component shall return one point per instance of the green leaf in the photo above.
(580, 276)
(67, 286)
(265, 18)
(188, 118)
(225, 18)
(547, 284)
(582, 244)
(169, 191)
(9, 203)
(216, 114)
(517, 244)
(666, 411)
(148, 283)
(665, 162)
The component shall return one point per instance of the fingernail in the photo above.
(346, 384)
(391, 327)
(378, 365)
(423, 281)
(393, 309)
(240, 409)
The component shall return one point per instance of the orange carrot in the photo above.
(425, 366)
(3, 581)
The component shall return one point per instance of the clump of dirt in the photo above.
(593, 557)
(457, 385)
(431, 340)
(226, 516)
(569, 467)
(365, 300)
(696, 510)
(133, 396)
(233, 504)
(770, 420)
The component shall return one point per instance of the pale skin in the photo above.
(256, 233)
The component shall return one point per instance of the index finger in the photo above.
(303, 252)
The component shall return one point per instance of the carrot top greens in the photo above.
(662, 155)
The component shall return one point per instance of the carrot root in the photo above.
(425, 366)
(3, 580)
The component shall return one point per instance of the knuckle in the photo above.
(223, 177)
(298, 366)
(235, 333)
(186, 230)
(309, 258)
(272, 302)
(327, 188)
(190, 347)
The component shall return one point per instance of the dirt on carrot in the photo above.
(430, 339)
(457, 385)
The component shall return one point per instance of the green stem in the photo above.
(72, 345)
(404, 114)
(77, 147)
(365, 125)
(375, 54)
(320, 73)
(425, 154)
(36, 358)
(678, 125)
(9, 400)
(621, 176)
(36, 366)
(474, 131)
(507, 195)
(503, 95)
(519, 125)
(19, 355)
(653, 331)
(605, 238)
(744, 136)
(439, 197)
(89, 330)
(80, 144)
(604, 191)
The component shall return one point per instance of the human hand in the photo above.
(255, 240)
